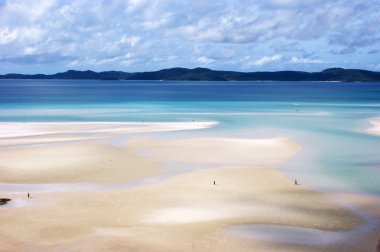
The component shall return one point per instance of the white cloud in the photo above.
(28, 11)
(220, 33)
(300, 60)
(375, 67)
(7, 36)
(292, 3)
(132, 40)
(267, 59)
(73, 63)
(29, 50)
(205, 61)
(134, 5)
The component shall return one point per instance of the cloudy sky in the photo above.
(48, 36)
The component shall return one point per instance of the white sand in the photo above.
(375, 129)
(13, 133)
(186, 212)
(76, 163)
(222, 151)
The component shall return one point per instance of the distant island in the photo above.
(205, 74)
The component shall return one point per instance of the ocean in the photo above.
(329, 119)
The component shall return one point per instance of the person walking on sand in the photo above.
(295, 182)
(28, 195)
(214, 182)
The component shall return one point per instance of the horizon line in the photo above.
(186, 68)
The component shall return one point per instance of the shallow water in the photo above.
(17, 203)
(328, 119)
(308, 236)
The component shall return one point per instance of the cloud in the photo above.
(300, 60)
(98, 34)
(375, 67)
(132, 41)
(37, 59)
(348, 50)
(246, 22)
(292, 3)
(285, 46)
(7, 36)
(204, 61)
(374, 51)
(267, 59)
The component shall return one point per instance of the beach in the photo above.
(190, 126)
(375, 129)
(166, 194)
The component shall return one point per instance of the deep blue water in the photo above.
(328, 119)
(109, 92)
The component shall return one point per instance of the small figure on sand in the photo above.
(214, 182)
(296, 182)
(28, 195)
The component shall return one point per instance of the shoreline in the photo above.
(375, 129)
(27, 129)
(339, 75)
(159, 214)
(35, 133)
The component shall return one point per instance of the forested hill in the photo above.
(204, 74)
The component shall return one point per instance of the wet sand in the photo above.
(183, 212)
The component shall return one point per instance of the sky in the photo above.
(49, 36)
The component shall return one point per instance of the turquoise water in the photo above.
(328, 119)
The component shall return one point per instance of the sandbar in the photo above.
(214, 184)
(375, 129)
(17, 133)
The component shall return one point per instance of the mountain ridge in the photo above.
(205, 74)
